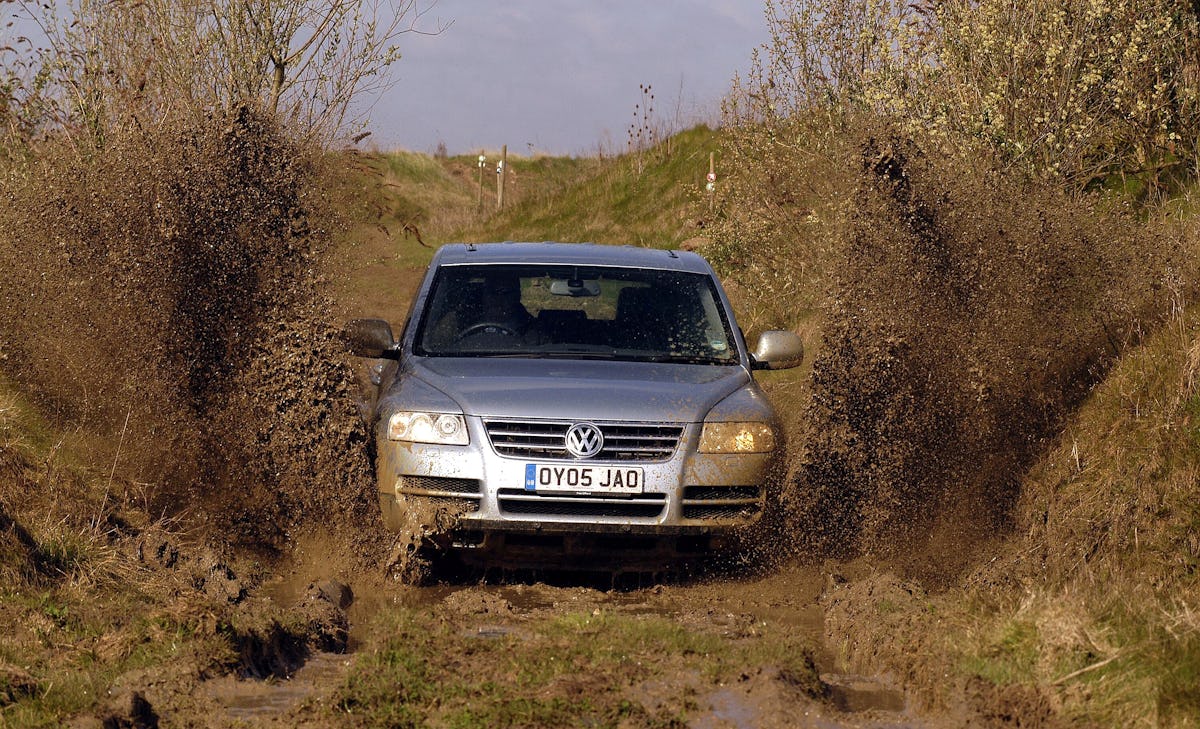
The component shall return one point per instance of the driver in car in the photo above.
(489, 312)
(501, 310)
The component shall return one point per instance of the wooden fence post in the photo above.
(501, 178)
(482, 162)
(711, 185)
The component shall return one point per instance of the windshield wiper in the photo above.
(558, 354)
(581, 354)
(505, 354)
(680, 359)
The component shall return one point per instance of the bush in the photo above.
(1079, 90)
(1073, 88)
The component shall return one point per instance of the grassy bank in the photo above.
(1107, 551)
(1086, 614)
(407, 204)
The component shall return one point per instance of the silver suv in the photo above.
(552, 401)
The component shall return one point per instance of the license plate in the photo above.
(583, 479)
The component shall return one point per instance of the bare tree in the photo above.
(305, 60)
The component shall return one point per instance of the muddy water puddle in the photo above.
(854, 702)
(859, 693)
(251, 700)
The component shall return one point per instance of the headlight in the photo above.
(737, 438)
(443, 428)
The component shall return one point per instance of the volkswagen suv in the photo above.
(571, 404)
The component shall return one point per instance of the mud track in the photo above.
(748, 612)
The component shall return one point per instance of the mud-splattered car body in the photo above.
(606, 411)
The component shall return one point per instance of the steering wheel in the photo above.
(481, 326)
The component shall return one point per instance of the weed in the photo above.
(56, 611)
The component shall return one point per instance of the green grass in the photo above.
(1008, 656)
(1108, 658)
(575, 669)
(613, 201)
(427, 672)
(645, 200)
(376, 261)
(25, 435)
(76, 650)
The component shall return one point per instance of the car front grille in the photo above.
(547, 439)
(517, 501)
(721, 502)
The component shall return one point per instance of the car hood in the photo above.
(581, 390)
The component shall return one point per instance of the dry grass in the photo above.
(15, 443)
(1117, 495)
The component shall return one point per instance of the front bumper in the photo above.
(690, 503)
(559, 545)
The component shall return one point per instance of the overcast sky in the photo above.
(561, 76)
(553, 76)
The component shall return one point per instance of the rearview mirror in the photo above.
(574, 287)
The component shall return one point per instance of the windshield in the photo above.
(575, 312)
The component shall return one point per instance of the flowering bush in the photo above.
(1075, 89)
(1081, 89)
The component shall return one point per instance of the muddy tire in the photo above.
(763, 545)
(420, 526)
(407, 563)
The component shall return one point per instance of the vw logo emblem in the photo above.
(584, 440)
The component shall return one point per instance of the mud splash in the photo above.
(424, 521)
(970, 313)
(163, 298)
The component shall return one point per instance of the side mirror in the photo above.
(777, 350)
(369, 338)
